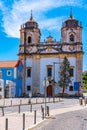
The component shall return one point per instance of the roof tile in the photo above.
(9, 64)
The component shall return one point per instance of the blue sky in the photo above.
(48, 13)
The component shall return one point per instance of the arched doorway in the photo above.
(49, 91)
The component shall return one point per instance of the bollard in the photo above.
(11, 103)
(48, 110)
(49, 99)
(34, 116)
(30, 107)
(19, 109)
(85, 100)
(59, 99)
(53, 99)
(6, 124)
(43, 100)
(23, 121)
(42, 109)
(3, 111)
(20, 102)
(36, 100)
(4, 102)
(80, 101)
(29, 101)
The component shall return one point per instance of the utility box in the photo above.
(1, 88)
(10, 89)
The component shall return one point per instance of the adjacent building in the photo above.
(43, 59)
(11, 71)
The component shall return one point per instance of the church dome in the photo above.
(31, 23)
(71, 22)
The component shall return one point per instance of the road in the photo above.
(62, 104)
(14, 118)
(76, 120)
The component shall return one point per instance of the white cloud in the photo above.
(19, 13)
(52, 24)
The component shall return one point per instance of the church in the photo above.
(43, 59)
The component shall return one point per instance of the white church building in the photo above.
(43, 59)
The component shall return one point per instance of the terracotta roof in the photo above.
(9, 64)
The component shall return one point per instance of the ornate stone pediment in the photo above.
(49, 49)
(71, 48)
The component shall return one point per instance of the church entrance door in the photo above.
(49, 91)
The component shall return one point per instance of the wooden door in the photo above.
(49, 91)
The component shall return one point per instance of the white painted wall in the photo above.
(2, 88)
(72, 61)
(43, 69)
(43, 72)
(12, 88)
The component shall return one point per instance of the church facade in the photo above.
(43, 59)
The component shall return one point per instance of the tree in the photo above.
(84, 80)
(65, 77)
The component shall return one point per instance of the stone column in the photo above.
(79, 68)
(36, 74)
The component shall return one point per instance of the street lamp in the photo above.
(45, 84)
(53, 81)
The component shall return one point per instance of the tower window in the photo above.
(28, 72)
(70, 88)
(71, 37)
(29, 39)
(49, 71)
(28, 88)
(71, 72)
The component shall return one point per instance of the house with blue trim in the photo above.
(12, 71)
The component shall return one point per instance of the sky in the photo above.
(49, 14)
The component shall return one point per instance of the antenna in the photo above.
(31, 17)
(71, 13)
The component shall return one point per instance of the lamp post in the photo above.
(53, 83)
(45, 84)
(45, 96)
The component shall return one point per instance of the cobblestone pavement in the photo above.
(57, 108)
(76, 120)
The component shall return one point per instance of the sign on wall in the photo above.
(77, 85)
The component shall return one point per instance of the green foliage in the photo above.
(65, 78)
(84, 80)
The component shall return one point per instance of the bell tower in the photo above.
(29, 38)
(29, 32)
(71, 30)
(71, 35)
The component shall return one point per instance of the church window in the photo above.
(9, 73)
(71, 72)
(28, 88)
(29, 39)
(72, 38)
(70, 88)
(49, 71)
(28, 72)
